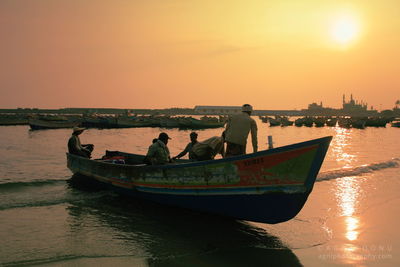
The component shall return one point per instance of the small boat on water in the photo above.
(308, 121)
(376, 122)
(41, 124)
(101, 122)
(286, 122)
(395, 123)
(274, 122)
(305, 121)
(358, 123)
(263, 119)
(202, 123)
(13, 120)
(319, 121)
(126, 122)
(299, 122)
(152, 121)
(331, 122)
(269, 186)
(344, 122)
(168, 122)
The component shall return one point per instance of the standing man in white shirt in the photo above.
(237, 130)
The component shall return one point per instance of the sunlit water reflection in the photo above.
(42, 219)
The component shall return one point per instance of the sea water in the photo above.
(349, 219)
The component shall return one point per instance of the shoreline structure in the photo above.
(350, 108)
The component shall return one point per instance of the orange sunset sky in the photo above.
(273, 54)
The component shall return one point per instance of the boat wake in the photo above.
(314, 232)
(43, 201)
(39, 193)
(10, 186)
(340, 173)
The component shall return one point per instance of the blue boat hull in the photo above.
(269, 208)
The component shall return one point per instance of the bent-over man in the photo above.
(189, 147)
(209, 148)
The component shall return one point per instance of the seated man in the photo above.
(158, 152)
(209, 148)
(188, 148)
(75, 147)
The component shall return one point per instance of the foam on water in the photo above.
(355, 171)
(9, 186)
(42, 193)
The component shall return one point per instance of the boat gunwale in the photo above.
(324, 140)
(209, 190)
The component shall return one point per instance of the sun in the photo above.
(344, 30)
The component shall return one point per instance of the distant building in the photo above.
(231, 110)
(354, 106)
(217, 110)
(315, 106)
(315, 109)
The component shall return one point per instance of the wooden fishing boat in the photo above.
(264, 119)
(358, 123)
(192, 123)
(126, 122)
(344, 122)
(331, 122)
(308, 121)
(167, 122)
(395, 123)
(319, 121)
(376, 122)
(270, 186)
(13, 120)
(274, 122)
(39, 124)
(101, 122)
(299, 122)
(305, 121)
(286, 122)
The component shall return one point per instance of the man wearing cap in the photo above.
(75, 147)
(188, 148)
(237, 130)
(158, 152)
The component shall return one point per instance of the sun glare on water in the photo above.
(345, 30)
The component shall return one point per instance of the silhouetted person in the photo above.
(237, 130)
(188, 148)
(158, 152)
(209, 148)
(75, 147)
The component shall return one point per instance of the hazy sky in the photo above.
(273, 54)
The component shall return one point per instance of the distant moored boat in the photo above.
(395, 123)
(39, 124)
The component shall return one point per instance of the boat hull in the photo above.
(396, 124)
(42, 124)
(267, 208)
(269, 186)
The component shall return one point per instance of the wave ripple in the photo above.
(334, 174)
